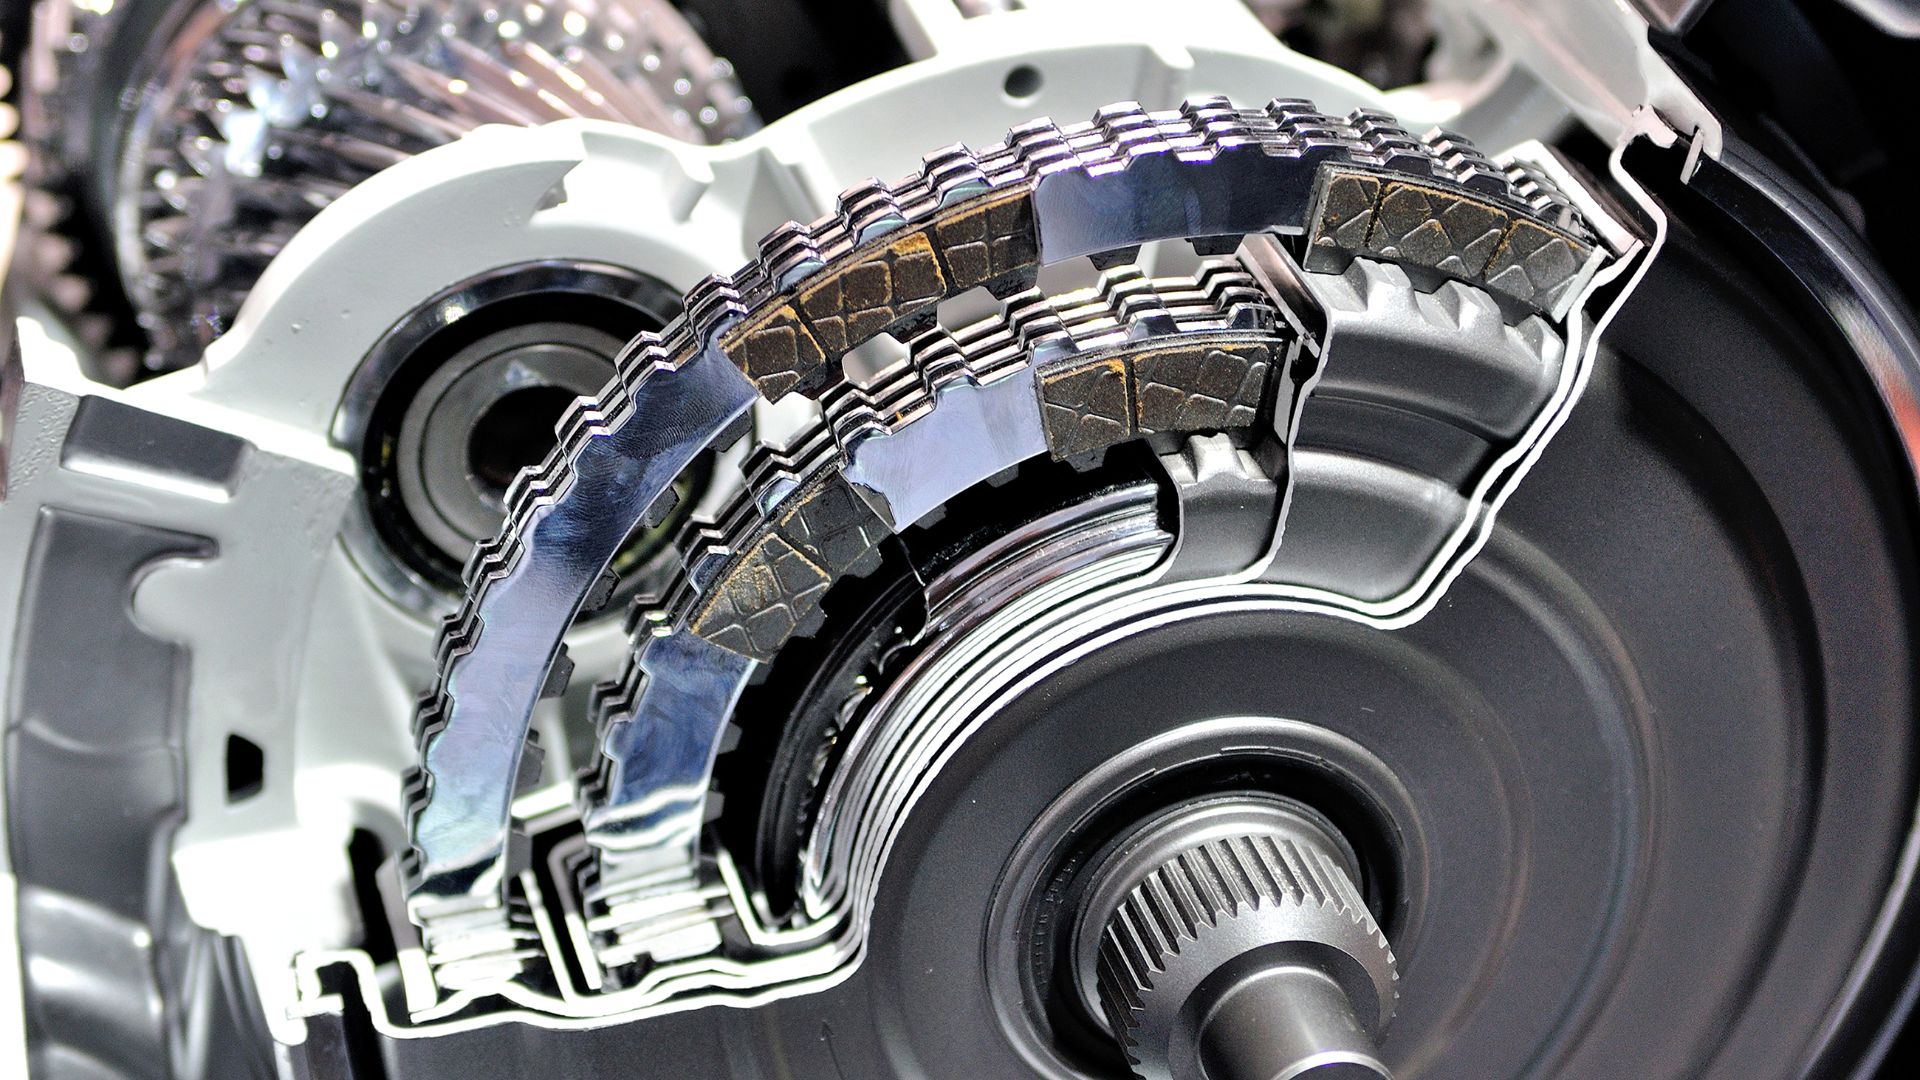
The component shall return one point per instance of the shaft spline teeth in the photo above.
(1131, 359)
(1156, 935)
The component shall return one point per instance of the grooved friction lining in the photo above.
(770, 588)
(1209, 384)
(775, 350)
(1535, 265)
(889, 281)
(847, 305)
(977, 214)
(1446, 229)
(1086, 406)
(987, 240)
(1199, 387)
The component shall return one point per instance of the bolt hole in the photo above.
(514, 432)
(1023, 82)
(246, 768)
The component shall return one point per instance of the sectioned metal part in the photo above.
(1060, 540)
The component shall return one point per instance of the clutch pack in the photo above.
(1203, 542)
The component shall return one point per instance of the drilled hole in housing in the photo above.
(246, 768)
(1023, 83)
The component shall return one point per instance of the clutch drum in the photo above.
(1634, 795)
(1633, 799)
(1630, 800)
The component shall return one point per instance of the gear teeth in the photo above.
(662, 509)
(436, 890)
(1391, 145)
(1215, 246)
(1214, 882)
(601, 594)
(869, 209)
(1460, 323)
(1450, 303)
(1466, 165)
(966, 219)
(795, 502)
(533, 758)
(329, 94)
(790, 254)
(1537, 191)
(612, 703)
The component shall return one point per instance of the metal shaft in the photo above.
(1283, 1023)
(1226, 939)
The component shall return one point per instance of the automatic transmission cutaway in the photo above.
(524, 554)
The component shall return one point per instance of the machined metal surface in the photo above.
(742, 318)
(489, 200)
(442, 420)
(1595, 825)
(817, 293)
(255, 115)
(1228, 939)
(1058, 614)
(109, 937)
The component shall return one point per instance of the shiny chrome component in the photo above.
(1060, 563)
(784, 324)
(256, 114)
(1285, 453)
(662, 730)
(645, 821)
(326, 679)
(1047, 194)
(441, 418)
(907, 473)
(966, 408)
(458, 438)
(289, 379)
(509, 640)
(1228, 939)
(1447, 356)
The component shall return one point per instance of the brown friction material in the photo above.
(775, 350)
(1210, 384)
(986, 240)
(817, 535)
(1535, 264)
(755, 607)
(1342, 217)
(852, 301)
(1086, 406)
(1421, 225)
(1199, 387)
(1451, 230)
(867, 292)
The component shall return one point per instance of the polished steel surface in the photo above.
(1227, 938)
(1126, 178)
(254, 115)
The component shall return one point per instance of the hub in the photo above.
(464, 392)
(486, 413)
(1226, 939)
